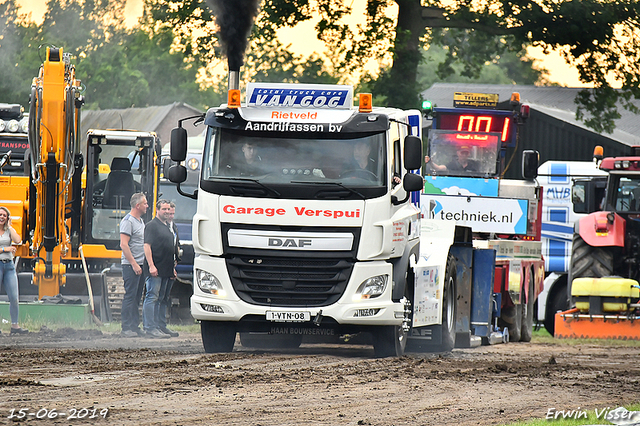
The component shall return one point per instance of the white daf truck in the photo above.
(302, 227)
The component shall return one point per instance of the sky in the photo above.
(303, 41)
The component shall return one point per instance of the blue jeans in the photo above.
(9, 280)
(133, 287)
(153, 312)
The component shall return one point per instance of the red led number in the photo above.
(472, 123)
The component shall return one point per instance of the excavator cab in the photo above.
(119, 164)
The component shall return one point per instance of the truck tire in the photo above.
(526, 331)
(557, 301)
(270, 341)
(588, 261)
(511, 318)
(217, 336)
(449, 308)
(391, 340)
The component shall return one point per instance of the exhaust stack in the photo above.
(234, 80)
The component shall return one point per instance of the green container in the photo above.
(70, 314)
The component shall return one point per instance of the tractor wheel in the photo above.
(588, 261)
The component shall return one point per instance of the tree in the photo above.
(16, 58)
(599, 37)
(119, 67)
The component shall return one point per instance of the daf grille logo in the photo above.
(289, 242)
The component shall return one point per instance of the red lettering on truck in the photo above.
(231, 209)
(302, 211)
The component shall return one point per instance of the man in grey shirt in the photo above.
(132, 246)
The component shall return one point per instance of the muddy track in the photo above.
(173, 382)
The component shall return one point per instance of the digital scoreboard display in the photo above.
(478, 121)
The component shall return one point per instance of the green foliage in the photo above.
(119, 67)
(585, 32)
(507, 68)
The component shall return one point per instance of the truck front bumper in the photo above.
(348, 310)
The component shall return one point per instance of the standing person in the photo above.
(132, 246)
(165, 296)
(8, 276)
(159, 253)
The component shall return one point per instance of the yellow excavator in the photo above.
(71, 208)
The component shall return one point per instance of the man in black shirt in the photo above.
(159, 251)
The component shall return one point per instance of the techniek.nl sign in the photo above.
(498, 215)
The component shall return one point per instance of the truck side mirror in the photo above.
(178, 144)
(530, 160)
(412, 182)
(177, 173)
(412, 152)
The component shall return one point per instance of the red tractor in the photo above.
(604, 270)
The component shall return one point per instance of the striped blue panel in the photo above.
(558, 215)
(559, 169)
(414, 122)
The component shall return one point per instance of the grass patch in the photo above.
(542, 336)
(112, 327)
(582, 417)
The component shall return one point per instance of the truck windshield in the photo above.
(455, 153)
(353, 160)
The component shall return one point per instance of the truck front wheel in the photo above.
(391, 340)
(217, 336)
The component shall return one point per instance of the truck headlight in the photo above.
(371, 287)
(208, 283)
(13, 126)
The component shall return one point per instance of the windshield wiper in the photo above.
(315, 182)
(256, 181)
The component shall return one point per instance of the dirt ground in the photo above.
(90, 377)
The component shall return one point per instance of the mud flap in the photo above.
(482, 304)
(76, 286)
(464, 259)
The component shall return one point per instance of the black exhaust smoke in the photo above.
(234, 18)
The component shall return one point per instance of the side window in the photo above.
(396, 154)
(397, 158)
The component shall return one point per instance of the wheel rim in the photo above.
(449, 303)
